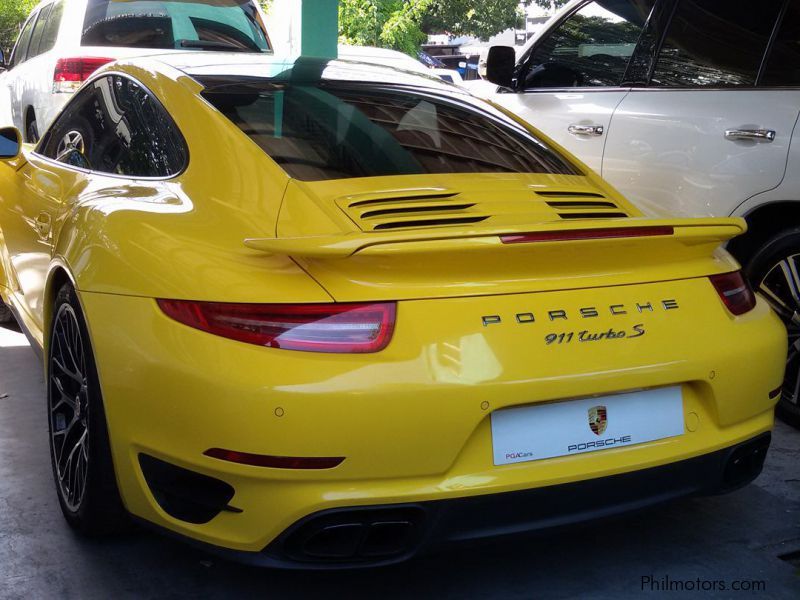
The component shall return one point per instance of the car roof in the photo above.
(210, 66)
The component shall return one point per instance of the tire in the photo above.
(80, 453)
(774, 270)
(6, 316)
(32, 130)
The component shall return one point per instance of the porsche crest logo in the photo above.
(598, 419)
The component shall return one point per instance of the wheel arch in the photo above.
(59, 275)
(764, 222)
(29, 115)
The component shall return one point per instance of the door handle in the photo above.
(43, 225)
(756, 135)
(589, 130)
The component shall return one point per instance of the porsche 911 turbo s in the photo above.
(324, 314)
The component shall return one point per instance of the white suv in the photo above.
(64, 41)
(687, 107)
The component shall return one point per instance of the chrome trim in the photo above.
(586, 130)
(572, 90)
(755, 135)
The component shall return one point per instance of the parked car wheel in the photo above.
(6, 316)
(79, 446)
(32, 130)
(775, 271)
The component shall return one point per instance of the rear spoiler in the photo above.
(339, 246)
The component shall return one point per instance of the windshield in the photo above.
(232, 25)
(328, 131)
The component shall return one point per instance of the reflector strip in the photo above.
(275, 462)
(587, 234)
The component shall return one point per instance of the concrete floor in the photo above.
(735, 537)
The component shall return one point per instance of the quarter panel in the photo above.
(184, 237)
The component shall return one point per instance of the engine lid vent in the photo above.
(582, 205)
(412, 211)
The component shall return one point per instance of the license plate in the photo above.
(575, 426)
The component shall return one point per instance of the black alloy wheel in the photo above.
(79, 445)
(774, 271)
(69, 408)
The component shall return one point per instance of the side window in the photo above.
(116, 126)
(50, 32)
(21, 49)
(783, 65)
(38, 29)
(715, 43)
(590, 48)
(68, 140)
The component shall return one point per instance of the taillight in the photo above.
(70, 73)
(344, 328)
(735, 292)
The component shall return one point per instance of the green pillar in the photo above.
(319, 35)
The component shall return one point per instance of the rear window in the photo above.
(324, 131)
(200, 25)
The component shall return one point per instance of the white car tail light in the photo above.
(70, 73)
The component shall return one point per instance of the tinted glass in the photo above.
(715, 43)
(202, 25)
(591, 48)
(783, 66)
(326, 131)
(51, 29)
(21, 49)
(116, 126)
(36, 37)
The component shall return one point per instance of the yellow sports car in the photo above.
(328, 314)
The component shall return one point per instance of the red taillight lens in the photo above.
(604, 233)
(71, 72)
(346, 328)
(735, 292)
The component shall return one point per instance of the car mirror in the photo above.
(500, 64)
(2, 61)
(10, 143)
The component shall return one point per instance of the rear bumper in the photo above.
(369, 536)
(413, 421)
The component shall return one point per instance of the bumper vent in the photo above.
(582, 205)
(184, 494)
